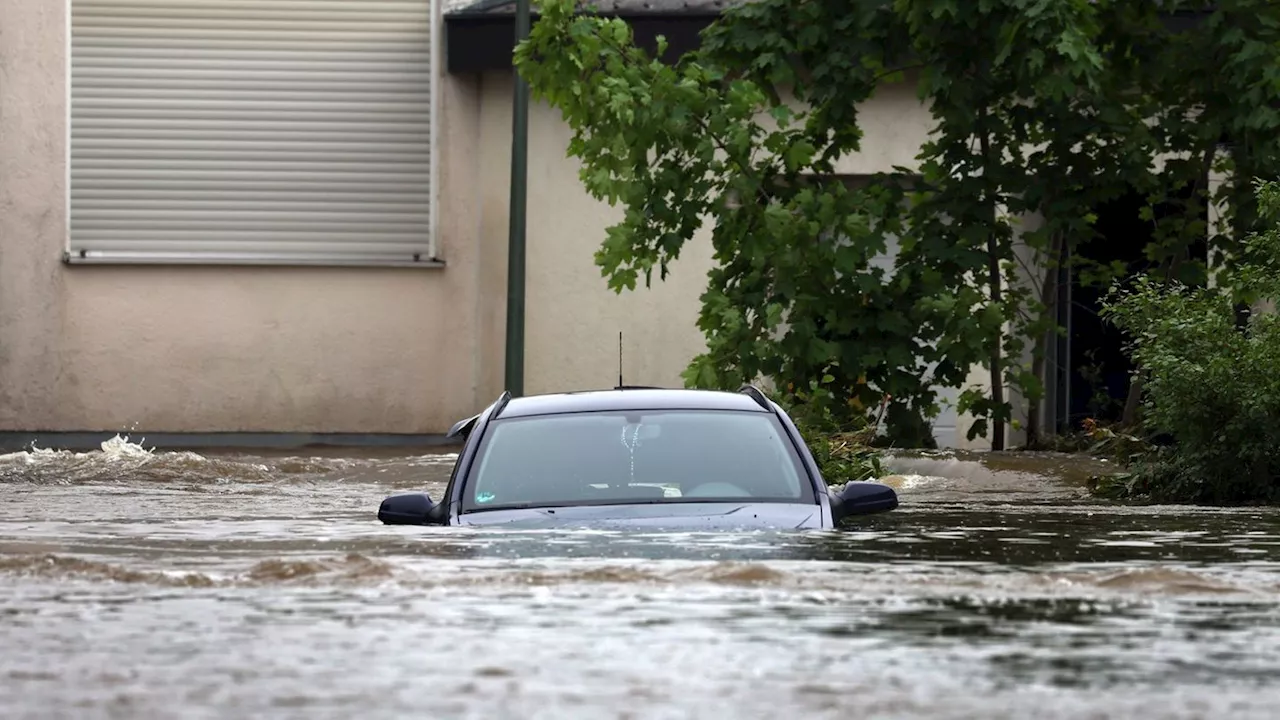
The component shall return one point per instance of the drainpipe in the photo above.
(516, 215)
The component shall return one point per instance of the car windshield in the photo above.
(596, 458)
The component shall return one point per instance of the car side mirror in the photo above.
(863, 498)
(410, 509)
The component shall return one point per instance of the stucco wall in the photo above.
(174, 349)
(32, 125)
(572, 318)
(170, 349)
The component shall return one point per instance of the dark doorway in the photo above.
(1094, 381)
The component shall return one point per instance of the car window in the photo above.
(651, 456)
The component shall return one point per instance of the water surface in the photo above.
(140, 584)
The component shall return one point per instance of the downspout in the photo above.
(516, 216)
(433, 132)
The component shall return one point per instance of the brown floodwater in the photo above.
(180, 585)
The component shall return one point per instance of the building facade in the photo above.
(289, 218)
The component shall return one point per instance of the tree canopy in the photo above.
(1044, 107)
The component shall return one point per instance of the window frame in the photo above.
(808, 492)
(430, 259)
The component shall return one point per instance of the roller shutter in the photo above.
(251, 131)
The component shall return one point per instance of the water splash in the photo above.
(908, 481)
(120, 448)
(122, 459)
(117, 448)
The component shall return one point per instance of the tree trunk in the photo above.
(1049, 300)
(1132, 402)
(993, 278)
(997, 351)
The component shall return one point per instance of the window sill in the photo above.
(249, 260)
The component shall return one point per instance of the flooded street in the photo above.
(182, 585)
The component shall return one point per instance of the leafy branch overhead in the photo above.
(897, 283)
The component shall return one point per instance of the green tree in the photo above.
(1044, 106)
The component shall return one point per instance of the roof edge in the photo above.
(607, 8)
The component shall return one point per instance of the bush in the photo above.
(838, 432)
(1211, 381)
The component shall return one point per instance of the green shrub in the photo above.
(1212, 383)
(838, 432)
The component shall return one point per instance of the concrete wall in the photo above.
(167, 349)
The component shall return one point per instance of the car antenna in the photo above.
(619, 358)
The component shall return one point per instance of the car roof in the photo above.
(630, 399)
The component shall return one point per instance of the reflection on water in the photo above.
(141, 584)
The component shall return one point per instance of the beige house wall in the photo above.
(218, 349)
(205, 349)
(192, 349)
(572, 318)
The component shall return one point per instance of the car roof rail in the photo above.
(756, 394)
(637, 387)
(501, 403)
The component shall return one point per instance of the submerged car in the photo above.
(636, 457)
